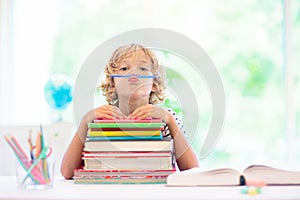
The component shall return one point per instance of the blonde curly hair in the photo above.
(107, 86)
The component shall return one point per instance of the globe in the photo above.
(58, 92)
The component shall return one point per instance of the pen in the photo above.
(30, 145)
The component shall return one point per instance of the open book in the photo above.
(230, 177)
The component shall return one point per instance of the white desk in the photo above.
(68, 190)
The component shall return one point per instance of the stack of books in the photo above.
(126, 151)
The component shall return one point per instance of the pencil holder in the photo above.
(38, 175)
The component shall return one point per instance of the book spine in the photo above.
(125, 125)
(115, 138)
(128, 121)
(123, 133)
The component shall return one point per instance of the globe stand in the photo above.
(57, 115)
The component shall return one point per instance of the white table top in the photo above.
(63, 189)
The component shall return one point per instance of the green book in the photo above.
(125, 123)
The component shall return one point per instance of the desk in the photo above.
(63, 189)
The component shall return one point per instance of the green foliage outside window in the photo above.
(244, 39)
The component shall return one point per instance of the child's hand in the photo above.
(105, 111)
(109, 112)
(150, 111)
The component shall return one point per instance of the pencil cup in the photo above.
(38, 175)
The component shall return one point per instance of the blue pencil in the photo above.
(129, 75)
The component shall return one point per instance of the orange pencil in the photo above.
(38, 145)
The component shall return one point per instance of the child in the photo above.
(134, 85)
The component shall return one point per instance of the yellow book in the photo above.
(123, 133)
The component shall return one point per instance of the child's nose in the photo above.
(133, 70)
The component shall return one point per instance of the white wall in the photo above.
(6, 61)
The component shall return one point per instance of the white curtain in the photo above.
(6, 61)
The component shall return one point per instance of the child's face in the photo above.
(136, 64)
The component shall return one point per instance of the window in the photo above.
(246, 40)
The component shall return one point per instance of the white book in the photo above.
(129, 145)
(229, 177)
(129, 163)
